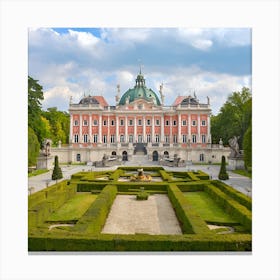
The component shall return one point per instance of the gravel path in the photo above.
(152, 216)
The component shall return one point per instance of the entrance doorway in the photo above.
(124, 156)
(155, 156)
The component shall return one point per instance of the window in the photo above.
(95, 122)
(130, 122)
(166, 138)
(95, 138)
(203, 138)
(130, 138)
(122, 138)
(194, 138)
(112, 122)
(174, 123)
(157, 138)
(203, 123)
(184, 138)
(104, 138)
(104, 122)
(78, 157)
(121, 122)
(140, 106)
(85, 123)
(157, 122)
(201, 157)
(85, 138)
(184, 122)
(112, 138)
(193, 123)
(167, 122)
(148, 122)
(148, 138)
(76, 122)
(76, 138)
(139, 122)
(174, 138)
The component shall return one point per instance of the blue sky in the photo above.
(68, 62)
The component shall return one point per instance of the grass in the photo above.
(243, 173)
(207, 208)
(37, 172)
(74, 208)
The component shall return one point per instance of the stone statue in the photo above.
(233, 142)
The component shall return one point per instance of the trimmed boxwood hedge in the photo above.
(190, 220)
(231, 206)
(238, 196)
(95, 217)
(140, 242)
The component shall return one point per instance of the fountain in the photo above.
(141, 177)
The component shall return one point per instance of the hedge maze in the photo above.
(84, 234)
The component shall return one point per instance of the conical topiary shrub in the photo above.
(57, 173)
(223, 175)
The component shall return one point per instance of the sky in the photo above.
(73, 62)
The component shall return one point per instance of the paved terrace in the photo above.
(240, 183)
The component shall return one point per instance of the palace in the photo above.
(140, 124)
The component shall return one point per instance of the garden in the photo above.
(155, 210)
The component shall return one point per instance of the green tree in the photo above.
(57, 173)
(247, 146)
(223, 175)
(234, 117)
(33, 147)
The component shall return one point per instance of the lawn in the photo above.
(37, 172)
(207, 208)
(243, 173)
(74, 208)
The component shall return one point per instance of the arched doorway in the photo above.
(114, 153)
(155, 156)
(166, 154)
(124, 156)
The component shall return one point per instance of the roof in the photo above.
(140, 91)
(178, 100)
(185, 100)
(94, 100)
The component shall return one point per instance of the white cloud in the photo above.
(83, 38)
(202, 44)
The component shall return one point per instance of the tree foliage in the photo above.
(33, 147)
(247, 146)
(57, 173)
(234, 117)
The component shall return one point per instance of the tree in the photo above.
(57, 173)
(223, 175)
(234, 117)
(247, 146)
(33, 147)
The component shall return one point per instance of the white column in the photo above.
(209, 129)
(81, 127)
(100, 129)
(108, 129)
(170, 136)
(135, 128)
(126, 129)
(144, 129)
(162, 129)
(71, 130)
(198, 128)
(90, 128)
(189, 127)
(179, 128)
(153, 129)
(117, 129)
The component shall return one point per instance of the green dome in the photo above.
(140, 91)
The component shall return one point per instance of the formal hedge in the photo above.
(238, 196)
(95, 217)
(46, 201)
(231, 206)
(191, 222)
(140, 242)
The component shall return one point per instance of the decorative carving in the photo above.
(234, 146)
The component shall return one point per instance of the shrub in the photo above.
(142, 195)
(57, 173)
(223, 175)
